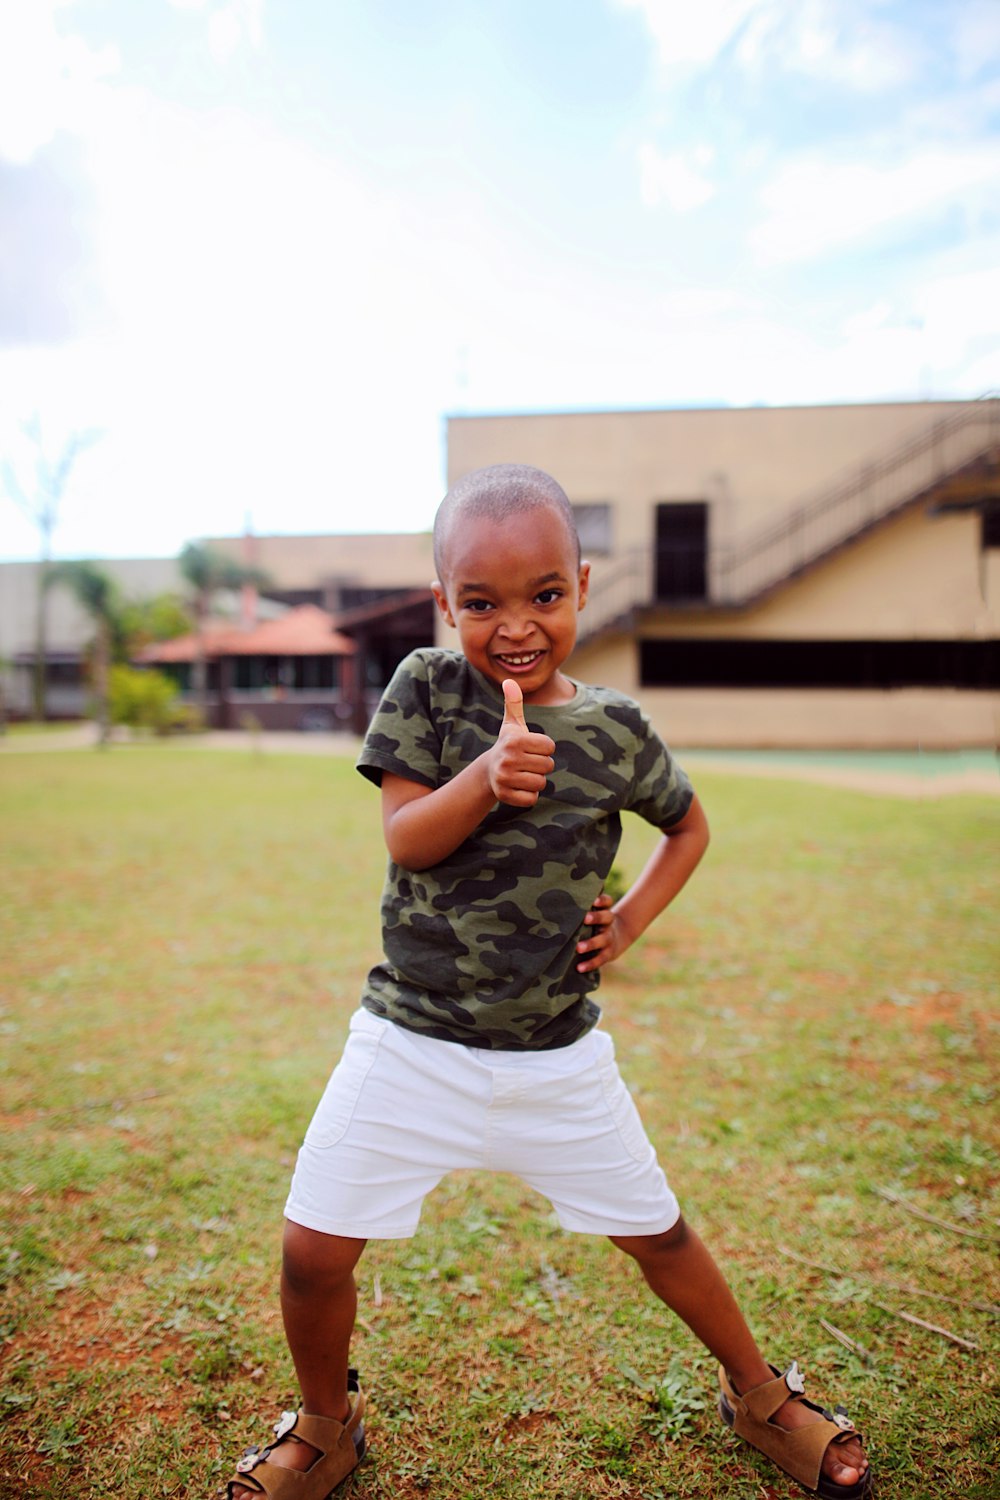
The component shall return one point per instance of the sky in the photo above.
(254, 253)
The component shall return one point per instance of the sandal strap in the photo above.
(339, 1447)
(763, 1401)
(325, 1433)
(799, 1452)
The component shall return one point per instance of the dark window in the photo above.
(990, 524)
(681, 550)
(179, 672)
(293, 597)
(301, 674)
(819, 664)
(64, 673)
(248, 675)
(316, 673)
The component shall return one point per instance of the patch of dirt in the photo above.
(80, 1334)
(942, 1007)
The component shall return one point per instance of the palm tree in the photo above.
(207, 570)
(40, 503)
(97, 593)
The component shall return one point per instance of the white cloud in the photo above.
(962, 313)
(840, 41)
(267, 310)
(675, 178)
(815, 206)
(845, 41)
(696, 33)
(977, 36)
(47, 80)
(230, 24)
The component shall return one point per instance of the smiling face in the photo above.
(513, 589)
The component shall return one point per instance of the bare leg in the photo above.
(682, 1273)
(319, 1303)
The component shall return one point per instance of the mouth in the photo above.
(521, 661)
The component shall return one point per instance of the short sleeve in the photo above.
(401, 737)
(660, 792)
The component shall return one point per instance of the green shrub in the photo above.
(145, 699)
(186, 718)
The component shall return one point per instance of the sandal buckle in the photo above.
(251, 1458)
(842, 1420)
(793, 1379)
(283, 1427)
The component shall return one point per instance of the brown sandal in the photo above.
(798, 1453)
(339, 1448)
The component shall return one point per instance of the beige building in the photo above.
(68, 629)
(804, 576)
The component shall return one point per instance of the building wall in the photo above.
(68, 624)
(905, 719)
(918, 576)
(749, 463)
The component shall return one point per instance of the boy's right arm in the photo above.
(423, 825)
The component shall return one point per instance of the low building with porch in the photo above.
(296, 672)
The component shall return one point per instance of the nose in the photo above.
(515, 626)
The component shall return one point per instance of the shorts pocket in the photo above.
(335, 1110)
(622, 1108)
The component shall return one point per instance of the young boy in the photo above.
(502, 781)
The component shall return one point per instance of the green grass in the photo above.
(184, 937)
(19, 727)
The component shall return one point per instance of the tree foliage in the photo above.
(143, 699)
(39, 500)
(206, 571)
(98, 595)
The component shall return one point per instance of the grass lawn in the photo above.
(813, 1026)
(21, 728)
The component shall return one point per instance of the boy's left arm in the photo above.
(668, 869)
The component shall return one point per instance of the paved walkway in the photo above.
(891, 773)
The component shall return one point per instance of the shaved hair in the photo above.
(497, 493)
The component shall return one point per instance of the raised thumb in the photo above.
(513, 704)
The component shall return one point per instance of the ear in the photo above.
(584, 584)
(441, 599)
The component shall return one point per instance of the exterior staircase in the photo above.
(958, 454)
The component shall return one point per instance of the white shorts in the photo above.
(401, 1110)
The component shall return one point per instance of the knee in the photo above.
(314, 1263)
(649, 1247)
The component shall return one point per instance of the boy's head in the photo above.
(496, 493)
(510, 578)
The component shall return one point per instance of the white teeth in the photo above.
(519, 661)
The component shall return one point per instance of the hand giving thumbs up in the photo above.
(520, 760)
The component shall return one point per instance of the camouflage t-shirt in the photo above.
(481, 948)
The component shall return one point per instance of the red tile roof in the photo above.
(304, 631)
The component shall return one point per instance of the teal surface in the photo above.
(908, 762)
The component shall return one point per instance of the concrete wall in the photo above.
(758, 718)
(69, 627)
(918, 577)
(749, 463)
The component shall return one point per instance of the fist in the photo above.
(519, 761)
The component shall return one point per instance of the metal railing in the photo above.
(746, 568)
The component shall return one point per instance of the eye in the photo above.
(549, 596)
(477, 606)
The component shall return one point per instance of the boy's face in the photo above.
(513, 590)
